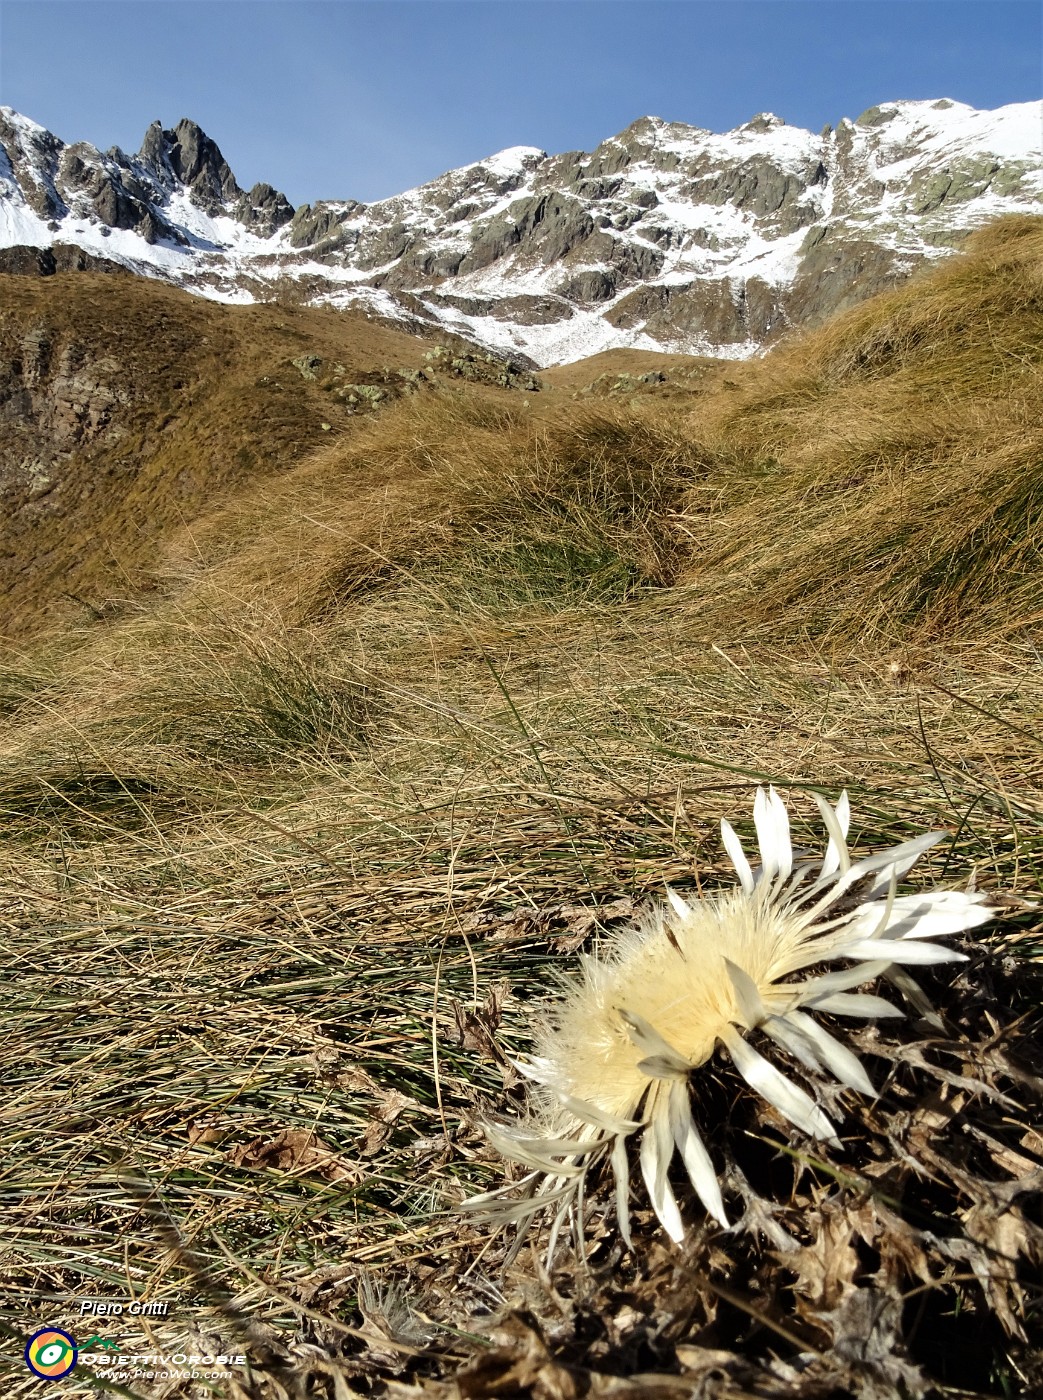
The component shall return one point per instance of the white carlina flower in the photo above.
(617, 1054)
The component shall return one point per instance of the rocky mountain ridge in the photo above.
(664, 237)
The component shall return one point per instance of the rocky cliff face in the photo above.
(65, 184)
(664, 237)
(54, 399)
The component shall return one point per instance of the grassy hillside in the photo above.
(876, 481)
(880, 478)
(129, 407)
(293, 842)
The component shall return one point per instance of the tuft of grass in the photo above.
(575, 517)
(241, 696)
(17, 688)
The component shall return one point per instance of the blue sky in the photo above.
(365, 98)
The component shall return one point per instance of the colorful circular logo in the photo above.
(50, 1353)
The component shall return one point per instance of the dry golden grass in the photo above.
(874, 480)
(193, 400)
(253, 1024)
(609, 365)
(418, 714)
(879, 478)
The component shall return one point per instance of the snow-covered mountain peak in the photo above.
(511, 161)
(664, 236)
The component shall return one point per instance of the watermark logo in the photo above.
(50, 1353)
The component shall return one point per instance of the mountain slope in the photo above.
(665, 237)
(873, 482)
(127, 406)
(293, 853)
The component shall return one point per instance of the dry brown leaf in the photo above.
(706, 1360)
(866, 1330)
(902, 1253)
(519, 1364)
(579, 921)
(379, 1128)
(204, 1130)
(333, 1280)
(357, 1081)
(1032, 1141)
(826, 1268)
(294, 1150)
(1006, 1237)
(476, 1031)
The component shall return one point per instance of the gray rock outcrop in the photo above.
(77, 183)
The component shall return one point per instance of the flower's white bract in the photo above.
(616, 1055)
